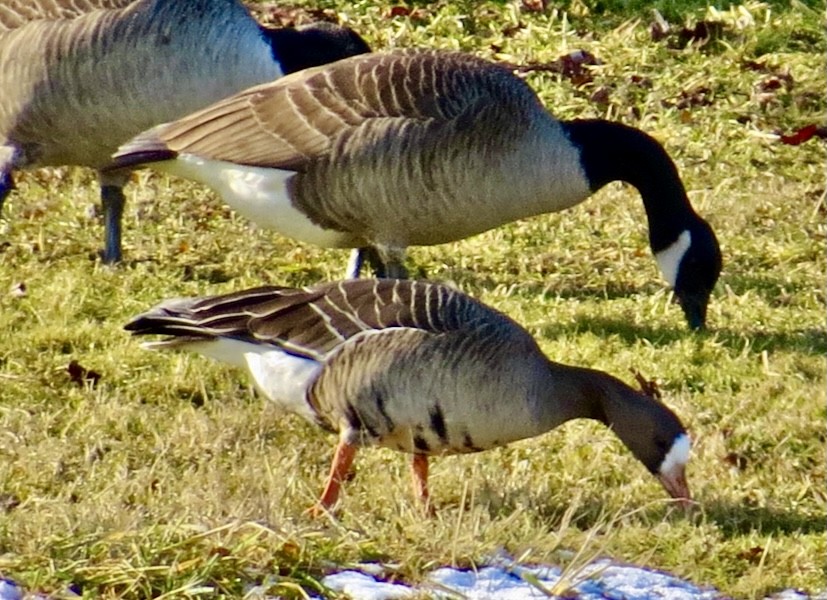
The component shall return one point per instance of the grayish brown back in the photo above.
(52, 109)
(15, 13)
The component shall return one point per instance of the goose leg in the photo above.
(388, 262)
(113, 200)
(395, 270)
(342, 459)
(355, 263)
(419, 472)
(6, 186)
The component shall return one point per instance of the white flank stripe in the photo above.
(284, 378)
(258, 193)
(677, 455)
(669, 260)
(223, 350)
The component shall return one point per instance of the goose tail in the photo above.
(143, 149)
(170, 319)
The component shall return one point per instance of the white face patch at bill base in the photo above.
(669, 260)
(678, 454)
(258, 193)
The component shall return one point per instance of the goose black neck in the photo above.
(312, 46)
(612, 151)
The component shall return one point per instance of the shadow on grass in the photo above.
(732, 520)
(736, 520)
(806, 340)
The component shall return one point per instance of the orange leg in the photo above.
(339, 469)
(419, 470)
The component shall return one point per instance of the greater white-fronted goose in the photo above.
(414, 366)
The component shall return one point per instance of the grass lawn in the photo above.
(165, 474)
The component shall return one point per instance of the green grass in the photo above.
(171, 477)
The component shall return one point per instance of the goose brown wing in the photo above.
(302, 117)
(314, 321)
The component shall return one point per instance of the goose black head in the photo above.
(313, 45)
(683, 243)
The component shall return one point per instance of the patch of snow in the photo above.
(9, 590)
(599, 580)
(796, 595)
(364, 587)
(504, 579)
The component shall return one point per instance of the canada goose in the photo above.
(422, 147)
(74, 89)
(414, 366)
(14, 13)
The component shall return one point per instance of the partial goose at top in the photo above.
(74, 89)
(405, 148)
(413, 366)
(15, 13)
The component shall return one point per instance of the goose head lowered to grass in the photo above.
(404, 148)
(413, 366)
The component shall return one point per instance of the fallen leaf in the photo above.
(699, 96)
(571, 65)
(601, 96)
(700, 34)
(752, 555)
(775, 82)
(534, 5)
(739, 461)
(640, 80)
(802, 135)
(276, 15)
(511, 30)
(648, 387)
(8, 502)
(754, 65)
(81, 375)
(399, 11)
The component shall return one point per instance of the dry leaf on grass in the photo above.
(805, 133)
(81, 375)
(648, 387)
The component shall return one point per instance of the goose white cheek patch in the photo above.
(669, 260)
(678, 454)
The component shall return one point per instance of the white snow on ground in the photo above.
(504, 580)
(601, 580)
